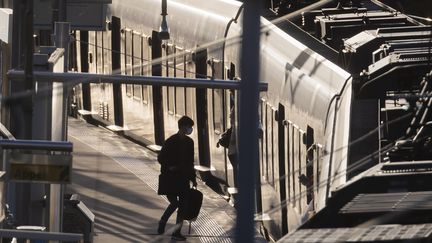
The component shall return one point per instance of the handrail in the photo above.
(62, 146)
(76, 78)
(36, 235)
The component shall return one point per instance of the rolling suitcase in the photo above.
(192, 207)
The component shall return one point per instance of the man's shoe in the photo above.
(161, 228)
(178, 237)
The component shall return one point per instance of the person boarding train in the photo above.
(177, 171)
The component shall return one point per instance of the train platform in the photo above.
(117, 180)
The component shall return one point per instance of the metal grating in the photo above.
(386, 202)
(407, 167)
(388, 233)
(379, 233)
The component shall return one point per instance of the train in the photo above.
(348, 91)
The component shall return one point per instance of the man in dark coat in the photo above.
(177, 171)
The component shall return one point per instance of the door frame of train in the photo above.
(200, 59)
(158, 114)
(282, 171)
(116, 65)
(84, 54)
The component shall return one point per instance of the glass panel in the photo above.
(269, 145)
(171, 73)
(217, 110)
(180, 91)
(136, 63)
(146, 67)
(107, 51)
(266, 139)
(190, 92)
(288, 159)
(128, 59)
(99, 52)
(123, 51)
(293, 159)
(92, 51)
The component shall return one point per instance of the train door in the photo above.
(83, 61)
(106, 68)
(302, 205)
(138, 113)
(217, 122)
(292, 140)
(190, 97)
(200, 59)
(270, 196)
(101, 94)
(147, 127)
(129, 50)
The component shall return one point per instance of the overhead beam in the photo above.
(77, 78)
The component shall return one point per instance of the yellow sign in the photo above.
(55, 169)
(42, 173)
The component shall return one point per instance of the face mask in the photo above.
(189, 130)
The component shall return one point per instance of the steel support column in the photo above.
(248, 122)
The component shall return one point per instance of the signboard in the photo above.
(53, 169)
(82, 14)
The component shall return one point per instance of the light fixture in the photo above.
(164, 30)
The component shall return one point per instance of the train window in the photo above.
(102, 44)
(271, 145)
(95, 50)
(136, 63)
(170, 67)
(107, 51)
(261, 115)
(293, 162)
(275, 153)
(288, 157)
(301, 167)
(190, 92)
(145, 67)
(266, 140)
(123, 51)
(318, 150)
(180, 62)
(128, 59)
(91, 49)
(218, 97)
(101, 52)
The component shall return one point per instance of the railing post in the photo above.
(248, 122)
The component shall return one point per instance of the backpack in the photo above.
(224, 139)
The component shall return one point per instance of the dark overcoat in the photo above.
(177, 165)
